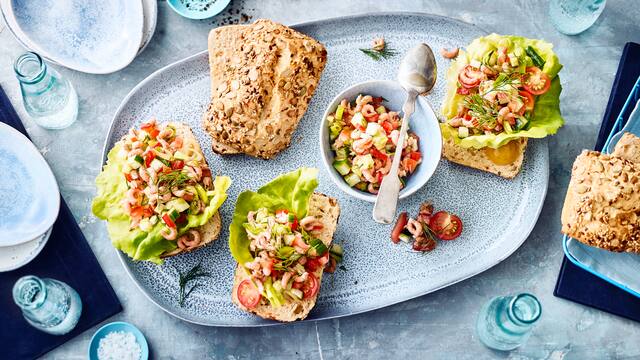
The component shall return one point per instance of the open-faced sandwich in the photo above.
(158, 194)
(281, 238)
(263, 76)
(501, 91)
(602, 206)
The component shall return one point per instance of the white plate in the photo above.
(16, 256)
(150, 10)
(29, 195)
(91, 36)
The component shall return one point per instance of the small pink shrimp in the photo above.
(368, 111)
(298, 242)
(177, 192)
(285, 279)
(368, 175)
(360, 146)
(207, 182)
(165, 133)
(302, 278)
(189, 240)
(487, 70)
(310, 223)
(372, 189)
(144, 175)
(395, 135)
(449, 54)
(169, 233)
(455, 122)
(177, 143)
(415, 228)
(386, 168)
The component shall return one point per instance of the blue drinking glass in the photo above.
(572, 17)
(505, 322)
(48, 305)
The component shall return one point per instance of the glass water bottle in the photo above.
(572, 17)
(48, 305)
(49, 98)
(505, 322)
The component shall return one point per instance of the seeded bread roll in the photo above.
(263, 76)
(327, 210)
(628, 147)
(478, 158)
(208, 232)
(602, 206)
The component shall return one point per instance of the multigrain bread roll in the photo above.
(505, 161)
(628, 147)
(263, 76)
(327, 210)
(602, 206)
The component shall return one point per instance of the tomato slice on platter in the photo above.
(445, 225)
(529, 100)
(470, 77)
(427, 245)
(310, 287)
(535, 81)
(177, 164)
(400, 224)
(248, 294)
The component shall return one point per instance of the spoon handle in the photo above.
(384, 209)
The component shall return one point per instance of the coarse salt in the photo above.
(119, 345)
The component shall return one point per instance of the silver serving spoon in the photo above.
(417, 75)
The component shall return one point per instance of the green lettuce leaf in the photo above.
(290, 191)
(140, 245)
(546, 119)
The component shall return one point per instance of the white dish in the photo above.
(91, 36)
(16, 256)
(150, 10)
(29, 195)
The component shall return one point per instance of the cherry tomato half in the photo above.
(310, 287)
(400, 224)
(248, 294)
(535, 81)
(470, 77)
(529, 100)
(446, 226)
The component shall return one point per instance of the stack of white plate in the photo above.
(29, 200)
(92, 36)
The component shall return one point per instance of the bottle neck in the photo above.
(524, 310)
(29, 292)
(32, 72)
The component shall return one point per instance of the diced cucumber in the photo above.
(513, 59)
(341, 154)
(180, 155)
(342, 166)
(463, 132)
(373, 128)
(202, 194)
(174, 214)
(358, 120)
(381, 110)
(404, 237)
(521, 122)
(339, 112)
(362, 186)
(178, 204)
(318, 248)
(295, 293)
(507, 127)
(352, 179)
(535, 58)
(138, 159)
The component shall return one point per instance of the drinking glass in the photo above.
(505, 322)
(572, 17)
(49, 98)
(48, 305)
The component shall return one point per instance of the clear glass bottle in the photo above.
(571, 17)
(505, 322)
(48, 305)
(49, 98)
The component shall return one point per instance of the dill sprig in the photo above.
(184, 279)
(505, 82)
(377, 55)
(481, 109)
(173, 179)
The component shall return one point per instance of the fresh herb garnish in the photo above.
(173, 179)
(184, 279)
(380, 50)
(481, 109)
(506, 82)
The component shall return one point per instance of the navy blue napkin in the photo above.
(66, 257)
(574, 283)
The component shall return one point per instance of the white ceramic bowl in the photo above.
(423, 123)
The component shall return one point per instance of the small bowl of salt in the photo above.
(118, 341)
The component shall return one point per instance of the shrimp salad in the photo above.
(167, 181)
(287, 258)
(364, 137)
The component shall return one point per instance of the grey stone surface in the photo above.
(439, 325)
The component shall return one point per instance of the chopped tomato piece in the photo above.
(248, 294)
(373, 118)
(294, 224)
(153, 133)
(206, 172)
(387, 126)
(535, 81)
(529, 100)
(312, 265)
(128, 177)
(415, 155)
(400, 224)
(378, 154)
(426, 245)
(148, 158)
(445, 225)
(409, 165)
(310, 287)
(167, 220)
(177, 164)
(147, 126)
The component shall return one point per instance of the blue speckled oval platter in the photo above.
(498, 214)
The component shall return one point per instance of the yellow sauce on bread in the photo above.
(504, 155)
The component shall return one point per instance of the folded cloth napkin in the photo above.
(574, 283)
(66, 257)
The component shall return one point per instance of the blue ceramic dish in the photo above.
(118, 326)
(198, 9)
(423, 123)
